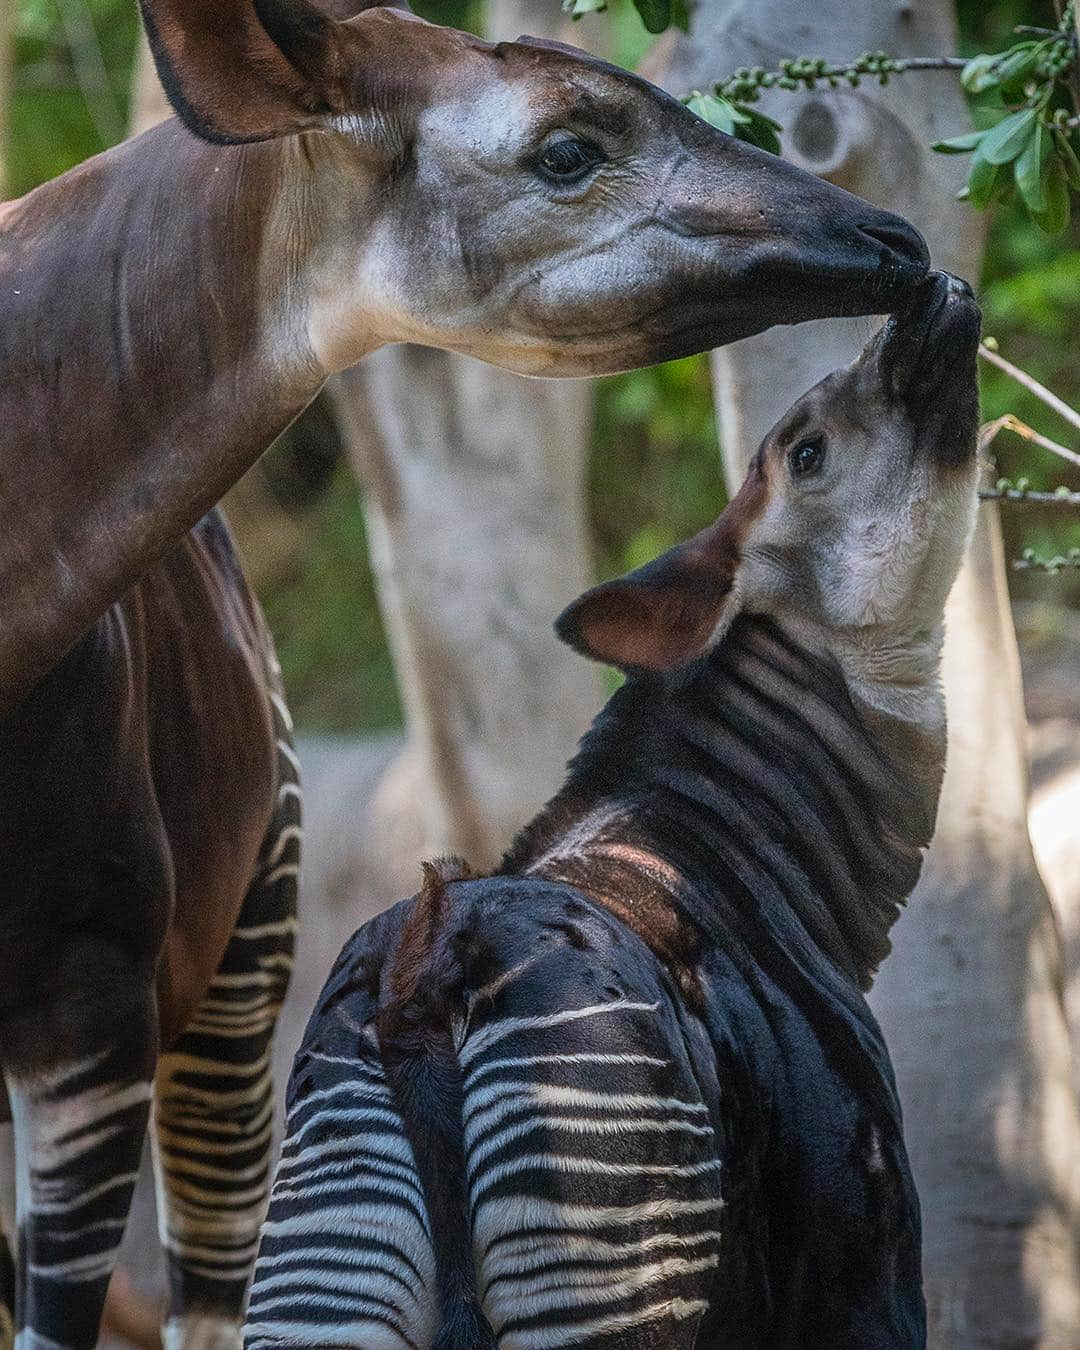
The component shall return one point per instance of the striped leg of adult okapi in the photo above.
(79, 1133)
(7, 1292)
(214, 1100)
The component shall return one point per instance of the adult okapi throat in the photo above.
(170, 306)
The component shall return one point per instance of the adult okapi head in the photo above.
(849, 529)
(521, 202)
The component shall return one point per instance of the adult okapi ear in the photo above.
(251, 70)
(671, 611)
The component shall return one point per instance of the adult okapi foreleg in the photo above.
(7, 1292)
(214, 1096)
(79, 1133)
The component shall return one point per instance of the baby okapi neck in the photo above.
(744, 799)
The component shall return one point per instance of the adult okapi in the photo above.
(334, 183)
(627, 1092)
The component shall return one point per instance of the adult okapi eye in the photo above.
(807, 458)
(569, 159)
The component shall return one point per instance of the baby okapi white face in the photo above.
(521, 202)
(850, 527)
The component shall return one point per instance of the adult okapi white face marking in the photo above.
(523, 202)
(850, 527)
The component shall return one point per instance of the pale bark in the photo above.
(149, 106)
(475, 500)
(970, 999)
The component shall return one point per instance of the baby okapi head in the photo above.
(849, 530)
(522, 202)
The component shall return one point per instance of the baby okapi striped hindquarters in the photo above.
(627, 1092)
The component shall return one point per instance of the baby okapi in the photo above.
(627, 1092)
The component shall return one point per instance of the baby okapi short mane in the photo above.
(783, 708)
(626, 1090)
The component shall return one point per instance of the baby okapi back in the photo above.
(627, 1093)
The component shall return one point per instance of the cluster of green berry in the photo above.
(748, 83)
(1029, 561)
(1006, 490)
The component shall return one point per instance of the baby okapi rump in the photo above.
(627, 1091)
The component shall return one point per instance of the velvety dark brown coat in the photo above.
(139, 781)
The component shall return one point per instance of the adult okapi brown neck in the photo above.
(355, 180)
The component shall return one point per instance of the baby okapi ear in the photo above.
(663, 615)
(671, 611)
(247, 70)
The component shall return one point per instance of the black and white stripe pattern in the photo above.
(80, 1130)
(593, 1177)
(595, 1198)
(346, 1255)
(214, 1095)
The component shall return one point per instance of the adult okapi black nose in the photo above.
(902, 240)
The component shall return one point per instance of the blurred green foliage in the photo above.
(655, 469)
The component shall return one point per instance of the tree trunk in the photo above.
(475, 499)
(970, 999)
(149, 106)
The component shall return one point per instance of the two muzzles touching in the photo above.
(627, 1092)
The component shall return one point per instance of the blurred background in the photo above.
(655, 474)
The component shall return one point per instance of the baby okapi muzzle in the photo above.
(626, 1092)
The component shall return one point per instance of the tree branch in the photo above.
(1044, 395)
(990, 431)
(1023, 495)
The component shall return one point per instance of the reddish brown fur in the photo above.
(139, 785)
(427, 918)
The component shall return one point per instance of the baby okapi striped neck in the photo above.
(770, 771)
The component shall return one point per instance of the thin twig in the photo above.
(934, 62)
(1041, 392)
(1070, 499)
(990, 431)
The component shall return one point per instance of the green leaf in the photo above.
(1017, 65)
(1069, 161)
(978, 74)
(576, 8)
(1007, 141)
(959, 145)
(1031, 170)
(984, 180)
(655, 14)
(759, 130)
(1056, 216)
(718, 112)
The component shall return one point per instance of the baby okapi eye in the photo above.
(568, 159)
(806, 458)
